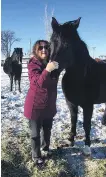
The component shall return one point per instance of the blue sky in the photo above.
(26, 19)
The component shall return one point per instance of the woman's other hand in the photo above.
(52, 65)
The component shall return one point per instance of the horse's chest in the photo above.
(73, 87)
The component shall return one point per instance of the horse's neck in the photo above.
(20, 60)
(80, 53)
(80, 61)
(80, 64)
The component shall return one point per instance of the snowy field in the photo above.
(12, 118)
(12, 111)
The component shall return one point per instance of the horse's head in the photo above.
(17, 55)
(61, 42)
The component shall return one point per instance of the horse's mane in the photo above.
(80, 47)
(14, 53)
(81, 57)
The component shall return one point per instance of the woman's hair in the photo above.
(37, 43)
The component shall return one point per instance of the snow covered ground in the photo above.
(12, 118)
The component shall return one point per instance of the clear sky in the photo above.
(26, 19)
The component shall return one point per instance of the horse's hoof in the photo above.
(104, 121)
(87, 150)
(72, 143)
(3, 97)
(67, 143)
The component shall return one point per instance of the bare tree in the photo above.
(7, 40)
(47, 22)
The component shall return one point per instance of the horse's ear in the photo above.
(54, 24)
(74, 23)
(77, 22)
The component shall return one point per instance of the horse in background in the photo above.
(99, 60)
(84, 82)
(13, 67)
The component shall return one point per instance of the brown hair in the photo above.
(37, 43)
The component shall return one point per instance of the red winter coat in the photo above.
(42, 94)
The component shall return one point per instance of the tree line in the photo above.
(8, 38)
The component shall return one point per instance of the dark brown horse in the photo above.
(84, 82)
(13, 67)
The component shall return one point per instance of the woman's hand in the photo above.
(52, 65)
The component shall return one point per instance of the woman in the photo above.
(40, 103)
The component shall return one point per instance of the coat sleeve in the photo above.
(37, 76)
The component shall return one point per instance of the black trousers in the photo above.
(40, 135)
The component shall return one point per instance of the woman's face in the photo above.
(42, 51)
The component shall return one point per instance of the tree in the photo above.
(47, 22)
(7, 40)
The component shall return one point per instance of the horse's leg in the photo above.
(87, 112)
(11, 82)
(73, 111)
(15, 83)
(19, 81)
(104, 117)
